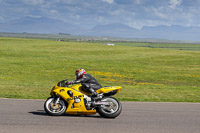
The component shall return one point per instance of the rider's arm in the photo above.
(81, 80)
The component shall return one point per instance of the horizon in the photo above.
(37, 17)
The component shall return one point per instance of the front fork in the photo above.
(56, 101)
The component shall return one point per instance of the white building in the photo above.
(110, 44)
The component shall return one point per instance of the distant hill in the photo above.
(45, 25)
(39, 25)
(173, 32)
(115, 30)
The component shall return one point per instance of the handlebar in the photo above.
(62, 83)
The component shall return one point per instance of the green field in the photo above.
(29, 68)
(175, 46)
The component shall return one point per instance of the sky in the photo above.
(89, 13)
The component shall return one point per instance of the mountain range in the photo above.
(52, 26)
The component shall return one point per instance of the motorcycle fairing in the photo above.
(109, 89)
(75, 107)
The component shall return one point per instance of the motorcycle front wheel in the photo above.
(112, 110)
(54, 109)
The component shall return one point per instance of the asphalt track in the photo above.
(28, 116)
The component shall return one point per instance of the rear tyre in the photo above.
(112, 110)
(54, 110)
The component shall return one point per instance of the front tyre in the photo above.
(112, 110)
(54, 109)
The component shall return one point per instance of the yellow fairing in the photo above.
(109, 89)
(73, 107)
(78, 94)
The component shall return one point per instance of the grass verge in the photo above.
(29, 68)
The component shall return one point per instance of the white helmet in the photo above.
(79, 73)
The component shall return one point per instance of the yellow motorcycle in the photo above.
(74, 100)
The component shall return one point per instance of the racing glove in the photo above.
(70, 82)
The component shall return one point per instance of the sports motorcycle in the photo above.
(74, 100)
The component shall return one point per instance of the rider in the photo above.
(88, 82)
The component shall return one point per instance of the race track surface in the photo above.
(28, 116)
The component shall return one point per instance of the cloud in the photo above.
(53, 11)
(158, 12)
(89, 13)
(174, 3)
(101, 19)
(138, 2)
(34, 2)
(1, 18)
(34, 16)
(140, 23)
(108, 1)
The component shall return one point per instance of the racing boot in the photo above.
(94, 94)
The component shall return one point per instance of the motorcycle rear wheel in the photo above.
(54, 110)
(112, 110)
